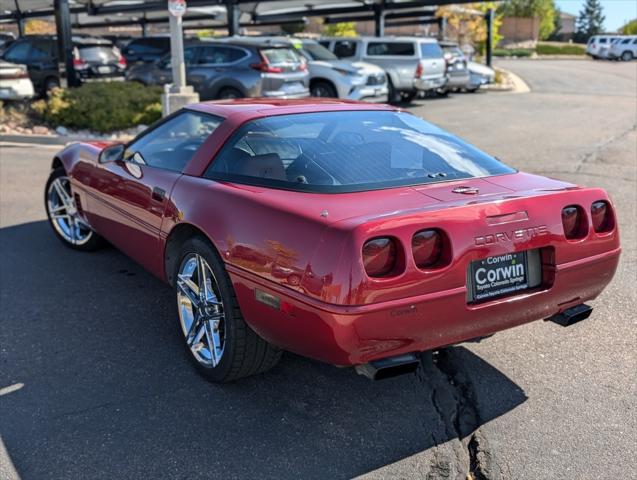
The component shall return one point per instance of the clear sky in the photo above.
(617, 12)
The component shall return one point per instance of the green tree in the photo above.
(557, 25)
(630, 28)
(590, 21)
(342, 29)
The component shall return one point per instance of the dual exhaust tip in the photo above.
(408, 363)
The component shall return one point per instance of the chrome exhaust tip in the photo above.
(389, 367)
(572, 315)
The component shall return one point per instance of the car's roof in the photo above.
(248, 108)
(385, 39)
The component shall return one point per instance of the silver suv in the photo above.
(412, 64)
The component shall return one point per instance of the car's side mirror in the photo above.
(112, 153)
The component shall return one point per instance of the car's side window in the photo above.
(390, 49)
(215, 55)
(173, 143)
(344, 48)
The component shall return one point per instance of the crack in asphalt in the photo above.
(453, 398)
(596, 149)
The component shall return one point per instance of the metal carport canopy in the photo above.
(236, 12)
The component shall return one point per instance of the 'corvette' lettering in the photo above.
(513, 235)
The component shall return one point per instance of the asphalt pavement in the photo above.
(94, 382)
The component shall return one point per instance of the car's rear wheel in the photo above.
(220, 343)
(627, 56)
(64, 216)
(229, 93)
(323, 89)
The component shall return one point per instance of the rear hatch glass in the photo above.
(348, 151)
(431, 50)
(97, 53)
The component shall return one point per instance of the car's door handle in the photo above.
(158, 194)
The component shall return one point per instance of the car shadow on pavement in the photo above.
(109, 393)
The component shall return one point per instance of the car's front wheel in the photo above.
(64, 215)
(221, 344)
(627, 56)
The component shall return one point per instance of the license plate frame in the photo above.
(499, 276)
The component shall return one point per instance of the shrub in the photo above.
(102, 107)
(566, 49)
(512, 52)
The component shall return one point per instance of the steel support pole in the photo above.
(68, 76)
(177, 53)
(233, 18)
(489, 46)
(379, 21)
(442, 28)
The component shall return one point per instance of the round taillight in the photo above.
(380, 256)
(601, 216)
(573, 222)
(426, 246)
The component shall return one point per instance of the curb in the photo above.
(517, 84)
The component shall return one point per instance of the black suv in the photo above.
(93, 58)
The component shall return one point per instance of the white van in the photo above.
(624, 48)
(599, 45)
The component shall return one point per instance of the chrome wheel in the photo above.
(64, 215)
(201, 311)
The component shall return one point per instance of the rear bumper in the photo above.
(16, 89)
(286, 96)
(351, 335)
(430, 83)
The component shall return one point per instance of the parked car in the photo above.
(234, 68)
(458, 75)
(598, 45)
(146, 49)
(352, 233)
(334, 78)
(481, 74)
(625, 48)
(94, 58)
(412, 64)
(14, 82)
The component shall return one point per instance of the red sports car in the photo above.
(351, 233)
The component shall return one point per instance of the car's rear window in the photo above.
(430, 50)
(347, 151)
(96, 53)
(391, 49)
(278, 56)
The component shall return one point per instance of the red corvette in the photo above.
(351, 233)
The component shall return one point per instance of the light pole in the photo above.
(178, 94)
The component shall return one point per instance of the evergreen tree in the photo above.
(590, 21)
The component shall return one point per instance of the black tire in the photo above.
(49, 84)
(228, 93)
(627, 56)
(393, 95)
(408, 97)
(323, 89)
(245, 353)
(94, 241)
